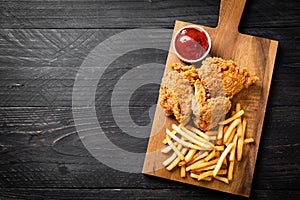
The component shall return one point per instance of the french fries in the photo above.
(176, 161)
(177, 151)
(172, 157)
(230, 129)
(220, 161)
(234, 117)
(210, 155)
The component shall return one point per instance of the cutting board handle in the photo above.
(230, 15)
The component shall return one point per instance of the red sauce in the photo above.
(191, 43)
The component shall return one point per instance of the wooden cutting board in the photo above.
(258, 56)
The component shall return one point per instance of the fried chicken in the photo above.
(208, 111)
(176, 96)
(204, 92)
(224, 76)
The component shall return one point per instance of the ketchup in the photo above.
(191, 43)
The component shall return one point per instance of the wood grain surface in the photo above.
(42, 45)
(258, 56)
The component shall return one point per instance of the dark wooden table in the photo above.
(42, 46)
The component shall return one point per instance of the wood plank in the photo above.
(115, 14)
(68, 47)
(258, 55)
(120, 193)
(38, 67)
(39, 148)
(53, 92)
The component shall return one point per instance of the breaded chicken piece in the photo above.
(208, 111)
(219, 80)
(204, 92)
(225, 77)
(188, 71)
(176, 95)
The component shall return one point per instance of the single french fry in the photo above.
(182, 171)
(230, 170)
(193, 175)
(219, 148)
(190, 154)
(167, 149)
(172, 157)
(175, 149)
(239, 153)
(225, 129)
(220, 132)
(210, 156)
(223, 179)
(200, 133)
(244, 122)
(230, 139)
(198, 153)
(199, 164)
(240, 142)
(217, 154)
(177, 160)
(248, 140)
(180, 141)
(240, 130)
(209, 178)
(232, 152)
(204, 175)
(221, 159)
(234, 117)
(234, 124)
(198, 156)
(188, 168)
(193, 162)
(205, 168)
(210, 173)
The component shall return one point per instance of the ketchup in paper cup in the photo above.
(191, 44)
